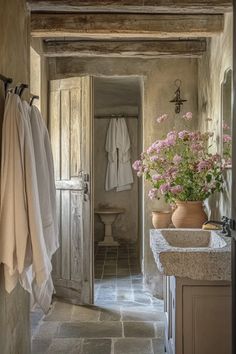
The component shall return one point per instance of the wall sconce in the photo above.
(177, 99)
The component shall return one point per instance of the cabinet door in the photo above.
(170, 309)
(206, 320)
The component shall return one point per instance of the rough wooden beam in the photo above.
(125, 26)
(145, 49)
(132, 6)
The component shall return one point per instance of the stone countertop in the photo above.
(199, 263)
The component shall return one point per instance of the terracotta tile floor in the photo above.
(125, 319)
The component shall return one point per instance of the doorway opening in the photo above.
(118, 217)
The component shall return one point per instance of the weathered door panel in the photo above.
(71, 128)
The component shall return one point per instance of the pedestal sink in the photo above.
(108, 217)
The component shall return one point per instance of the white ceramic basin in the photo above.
(109, 211)
(192, 253)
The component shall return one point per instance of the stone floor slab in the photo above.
(110, 314)
(47, 330)
(158, 346)
(60, 312)
(139, 329)
(85, 313)
(106, 329)
(65, 346)
(40, 346)
(133, 346)
(97, 346)
(160, 329)
(141, 314)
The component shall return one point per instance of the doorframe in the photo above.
(140, 239)
(233, 195)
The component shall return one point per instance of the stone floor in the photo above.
(125, 319)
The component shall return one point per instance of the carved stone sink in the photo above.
(192, 253)
(193, 238)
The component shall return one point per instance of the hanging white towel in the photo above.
(21, 234)
(124, 174)
(45, 178)
(47, 199)
(111, 174)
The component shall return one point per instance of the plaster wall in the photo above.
(14, 62)
(39, 76)
(158, 76)
(211, 70)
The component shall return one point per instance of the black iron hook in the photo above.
(34, 97)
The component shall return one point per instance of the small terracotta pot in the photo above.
(161, 219)
(189, 215)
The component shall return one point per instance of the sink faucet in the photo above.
(225, 224)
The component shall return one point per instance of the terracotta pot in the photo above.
(161, 219)
(189, 215)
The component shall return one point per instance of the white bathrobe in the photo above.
(111, 174)
(21, 233)
(124, 173)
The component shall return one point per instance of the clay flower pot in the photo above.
(189, 215)
(161, 219)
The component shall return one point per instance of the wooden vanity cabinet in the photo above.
(198, 316)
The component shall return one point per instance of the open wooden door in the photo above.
(71, 129)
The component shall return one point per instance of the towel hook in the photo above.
(34, 97)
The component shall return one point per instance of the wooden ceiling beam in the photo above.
(141, 49)
(132, 6)
(120, 26)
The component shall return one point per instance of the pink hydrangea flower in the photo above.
(150, 150)
(226, 126)
(153, 193)
(154, 158)
(183, 134)
(188, 116)
(162, 118)
(137, 165)
(176, 189)
(226, 138)
(165, 187)
(156, 177)
(177, 159)
(203, 165)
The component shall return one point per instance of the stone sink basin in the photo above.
(192, 253)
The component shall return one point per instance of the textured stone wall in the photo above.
(14, 62)
(211, 70)
(158, 76)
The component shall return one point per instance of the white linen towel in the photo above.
(124, 174)
(21, 234)
(47, 200)
(111, 174)
(45, 179)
